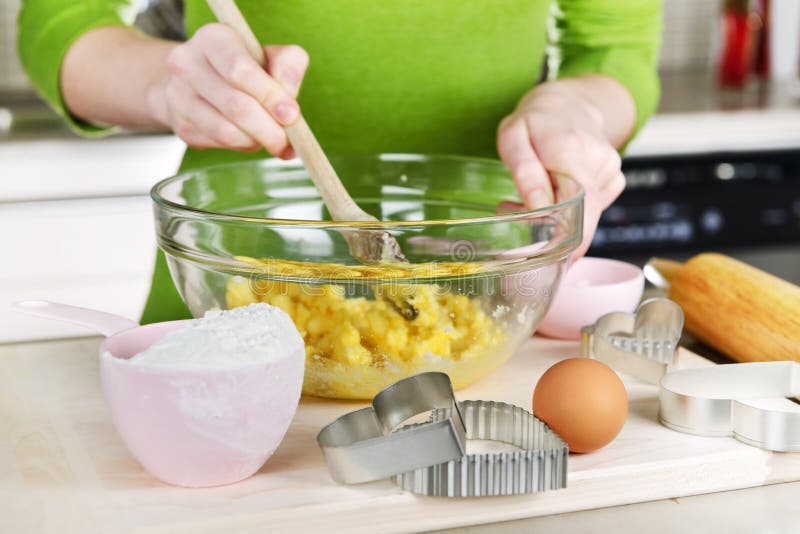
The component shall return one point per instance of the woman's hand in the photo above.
(214, 95)
(558, 128)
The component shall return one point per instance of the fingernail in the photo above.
(287, 112)
(289, 153)
(508, 207)
(538, 199)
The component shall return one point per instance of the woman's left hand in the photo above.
(555, 130)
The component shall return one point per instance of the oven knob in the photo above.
(712, 220)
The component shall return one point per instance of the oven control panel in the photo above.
(704, 201)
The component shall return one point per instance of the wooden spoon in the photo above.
(366, 246)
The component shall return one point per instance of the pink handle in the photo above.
(106, 323)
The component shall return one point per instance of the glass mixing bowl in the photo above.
(476, 286)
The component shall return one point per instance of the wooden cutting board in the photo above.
(64, 469)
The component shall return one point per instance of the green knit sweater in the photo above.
(428, 76)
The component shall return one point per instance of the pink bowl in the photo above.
(196, 427)
(591, 288)
(200, 427)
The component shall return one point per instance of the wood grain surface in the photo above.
(63, 467)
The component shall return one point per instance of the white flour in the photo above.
(257, 333)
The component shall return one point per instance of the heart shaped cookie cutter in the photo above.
(643, 344)
(361, 445)
(745, 400)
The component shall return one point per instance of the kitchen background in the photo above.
(718, 168)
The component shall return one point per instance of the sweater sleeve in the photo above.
(47, 29)
(616, 38)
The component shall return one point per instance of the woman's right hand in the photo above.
(213, 94)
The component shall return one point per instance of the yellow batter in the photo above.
(357, 346)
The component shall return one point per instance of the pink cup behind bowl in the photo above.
(199, 427)
(591, 288)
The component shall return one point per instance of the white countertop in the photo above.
(54, 412)
(717, 131)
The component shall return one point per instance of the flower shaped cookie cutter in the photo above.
(743, 400)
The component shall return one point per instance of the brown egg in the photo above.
(583, 401)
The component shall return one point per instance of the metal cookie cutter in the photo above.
(360, 446)
(735, 399)
(541, 465)
(641, 344)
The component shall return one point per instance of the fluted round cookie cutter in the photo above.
(540, 465)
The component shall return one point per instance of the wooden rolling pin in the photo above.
(741, 311)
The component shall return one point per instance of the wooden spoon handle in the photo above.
(340, 204)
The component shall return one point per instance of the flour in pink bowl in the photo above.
(254, 334)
